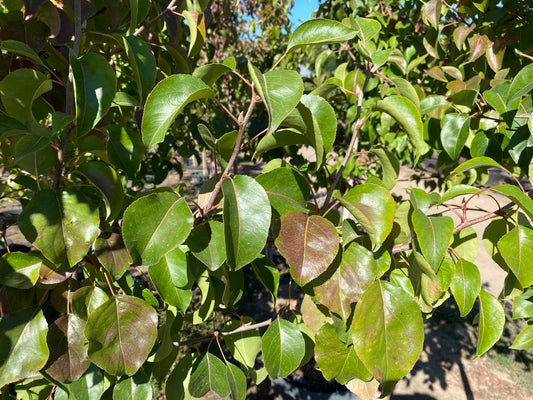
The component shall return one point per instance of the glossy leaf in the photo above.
(517, 196)
(516, 248)
(466, 285)
(491, 321)
(20, 270)
(210, 73)
(171, 279)
(465, 244)
(165, 102)
(283, 348)
(407, 90)
(19, 90)
(335, 359)
(124, 149)
(432, 12)
(136, 387)
(391, 348)
(434, 235)
(356, 272)
(197, 30)
(86, 300)
(155, 224)
(68, 349)
(23, 349)
(458, 190)
(106, 180)
(94, 89)
(522, 83)
(177, 384)
(454, 133)
(209, 374)
(243, 345)
(476, 162)
(141, 61)
(524, 340)
(112, 254)
(523, 305)
(287, 190)
(326, 119)
(308, 243)
(20, 48)
(206, 242)
(236, 381)
(280, 138)
(63, 225)
(389, 164)
(407, 116)
(121, 324)
(280, 90)
(374, 208)
(319, 32)
(89, 387)
(246, 219)
(366, 28)
(431, 103)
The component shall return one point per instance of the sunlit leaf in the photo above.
(374, 208)
(283, 348)
(522, 83)
(155, 224)
(209, 374)
(86, 300)
(125, 149)
(308, 243)
(319, 32)
(517, 196)
(267, 273)
(23, 349)
(454, 133)
(434, 235)
(246, 219)
(432, 12)
(89, 387)
(244, 345)
(491, 321)
(524, 340)
(516, 248)
(466, 285)
(206, 241)
(523, 305)
(117, 327)
(391, 348)
(210, 73)
(20, 270)
(389, 164)
(165, 102)
(136, 387)
(63, 225)
(287, 190)
(237, 382)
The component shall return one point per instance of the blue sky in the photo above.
(302, 10)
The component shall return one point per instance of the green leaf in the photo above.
(389, 164)
(206, 241)
(210, 73)
(237, 382)
(517, 196)
(197, 31)
(155, 224)
(68, 349)
(325, 117)
(465, 244)
(434, 234)
(319, 32)
(432, 12)
(163, 104)
(246, 219)
(408, 117)
(390, 349)
(335, 359)
(63, 225)
(142, 62)
(286, 188)
(374, 208)
(89, 387)
(516, 248)
(94, 89)
(172, 279)
(280, 138)
(491, 321)
(139, 11)
(366, 29)
(465, 285)
(20, 270)
(243, 345)
(136, 387)
(23, 349)
(281, 91)
(420, 199)
(308, 243)
(115, 329)
(523, 305)
(476, 162)
(14, 46)
(267, 273)
(125, 149)
(18, 91)
(407, 90)
(224, 147)
(522, 83)
(431, 103)
(86, 300)
(177, 384)
(112, 254)
(458, 190)
(455, 129)
(524, 340)
(209, 374)
(283, 348)
(106, 180)
(356, 272)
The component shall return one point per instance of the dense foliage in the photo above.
(101, 99)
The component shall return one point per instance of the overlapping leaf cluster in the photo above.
(83, 123)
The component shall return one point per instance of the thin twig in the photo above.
(170, 7)
(243, 123)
